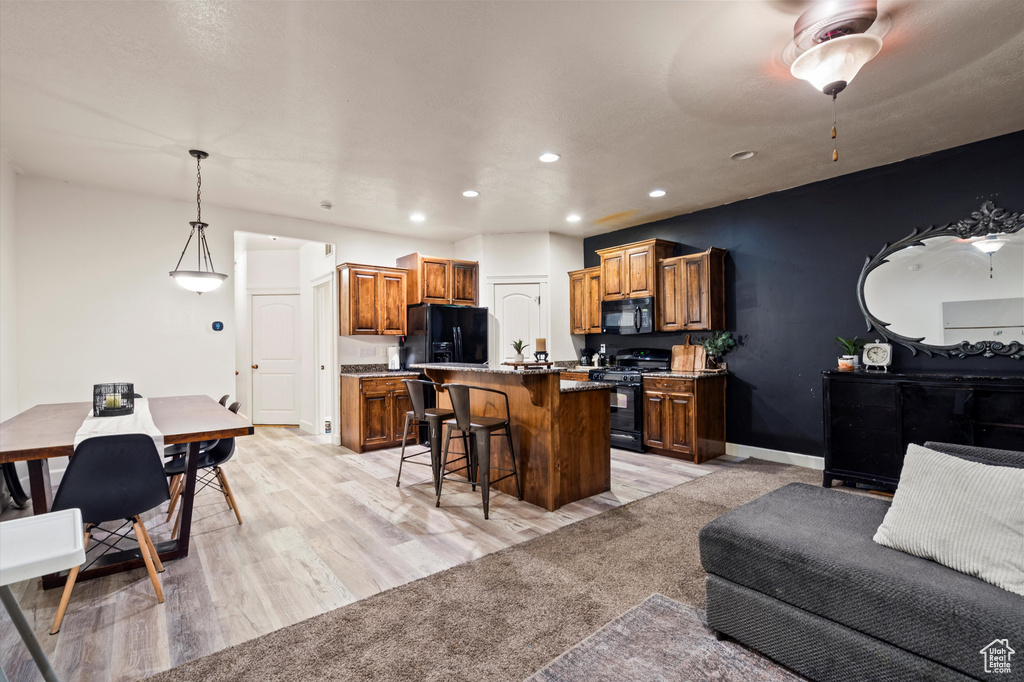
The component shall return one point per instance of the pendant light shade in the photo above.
(204, 278)
(832, 64)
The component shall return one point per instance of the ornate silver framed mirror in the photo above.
(951, 290)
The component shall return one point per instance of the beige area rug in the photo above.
(506, 615)
(658, 641)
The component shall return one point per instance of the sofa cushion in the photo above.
(812, 548)
(972, 453)
(963, 514)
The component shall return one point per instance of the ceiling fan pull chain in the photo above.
(835, 144)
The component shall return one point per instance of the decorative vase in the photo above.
(848, 363)
(519, 357)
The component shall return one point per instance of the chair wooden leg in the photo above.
(177, 523)
(223, 489)
(230, 495)
(66, 596)
(152, 549)
(140, 534)
(175, 496)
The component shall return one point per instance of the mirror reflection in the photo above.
(950, 290)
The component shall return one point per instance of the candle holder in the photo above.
(113, 400)
(540, 356)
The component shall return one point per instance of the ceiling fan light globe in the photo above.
(836, 61)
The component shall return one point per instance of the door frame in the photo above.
(249, 294)
(488, 296)
(328, 327)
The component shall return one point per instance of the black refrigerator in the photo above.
(446, 333)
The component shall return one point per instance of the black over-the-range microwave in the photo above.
(628, 316)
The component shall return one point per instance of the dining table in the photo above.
(47, 431)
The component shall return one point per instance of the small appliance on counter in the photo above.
(587, 357)
(627, 423)
(395, 354)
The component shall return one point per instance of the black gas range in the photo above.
(627, 400)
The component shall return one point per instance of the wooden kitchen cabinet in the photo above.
(585, 301)
(691, 292)
(684, 417)
(373, 412)
(630, 271)
(441, 280)
(371, 300)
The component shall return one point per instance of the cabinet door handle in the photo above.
(255, 366)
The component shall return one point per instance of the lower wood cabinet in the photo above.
(684, 417)
(575, 376)
(373, 412)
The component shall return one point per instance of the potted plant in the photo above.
(851, 348)
(518, 346)
(716, 346)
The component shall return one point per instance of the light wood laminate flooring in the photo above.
(323, 527)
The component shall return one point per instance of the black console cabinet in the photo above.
(871, 417)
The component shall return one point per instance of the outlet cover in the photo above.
(367, 352)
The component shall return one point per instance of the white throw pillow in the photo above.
(965, 515)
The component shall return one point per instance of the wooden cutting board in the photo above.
(688, 357)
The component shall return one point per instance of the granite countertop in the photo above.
(483, 369)
(577, 386)
(578, 368)
(684, 375)
(375, 374)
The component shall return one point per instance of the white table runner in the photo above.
(140, 421)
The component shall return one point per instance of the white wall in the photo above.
(95, 302)
(530, 257)
(313, 267)
(8, 291)
(272, 270)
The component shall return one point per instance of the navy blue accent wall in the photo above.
(791, 276)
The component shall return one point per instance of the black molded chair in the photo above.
(112, 478)
(224, 400)
(433, 417)
(178, 450)
(210, 474)
(481, 429)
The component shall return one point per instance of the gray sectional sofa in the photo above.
(796, 576)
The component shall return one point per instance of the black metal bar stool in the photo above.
(481, 429)
(433, 416)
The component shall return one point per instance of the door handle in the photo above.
(255, 366)
(636, 318)
(321, 366)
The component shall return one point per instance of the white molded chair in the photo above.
(34, 546)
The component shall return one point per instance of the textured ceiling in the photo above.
(386, 108)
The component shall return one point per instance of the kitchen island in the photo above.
(561, 429)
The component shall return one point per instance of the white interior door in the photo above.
(324, 336)
(517, 316)
(275, 359)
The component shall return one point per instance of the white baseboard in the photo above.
(307, 426)
(770, 455)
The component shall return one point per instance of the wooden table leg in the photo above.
(187, 497)
(39, 485)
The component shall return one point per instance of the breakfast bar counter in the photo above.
(561, 429)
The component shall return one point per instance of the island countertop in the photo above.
(483, 369)
(561, 429)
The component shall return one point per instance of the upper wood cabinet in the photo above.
(630, 271)
(371, 300)
(441, 280)
(691, 292)
(585, 301)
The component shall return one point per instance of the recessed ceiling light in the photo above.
(326, 205)
(471, 193)
(417, 217)
(743, 155)
(573, 218)
(657, 193)
(549, 157)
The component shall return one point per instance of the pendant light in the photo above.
(834, 47)
(204, 278)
